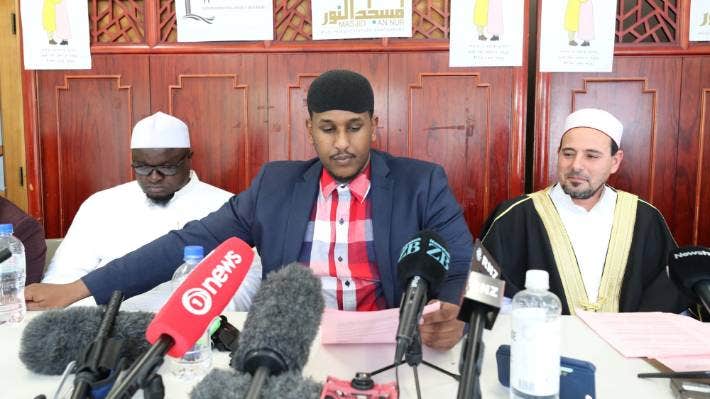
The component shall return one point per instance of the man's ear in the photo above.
(616, 160)
(375, 122)
(309, 128)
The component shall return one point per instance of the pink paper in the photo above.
(379, 327)
(650, 334)
(686, 363)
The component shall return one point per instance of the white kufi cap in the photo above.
(160, 131)
(596, 119)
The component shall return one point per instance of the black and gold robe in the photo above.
(527, 233)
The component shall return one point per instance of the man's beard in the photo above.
(344, 179)
(161, 201)
(584, 194)
(348, 179)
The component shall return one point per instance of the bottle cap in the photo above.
(537, 279)
(6, 228)
(193, 252)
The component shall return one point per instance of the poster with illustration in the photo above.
(486, 33)
(55, 34)
(700, 21)
(224, 20)
(359, 19)
(577, 35)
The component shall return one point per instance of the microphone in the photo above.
(421, 267)
(57, 337)
(479, 308)
(689, 268)
(281, 326)
(189, 311)
(231, 384)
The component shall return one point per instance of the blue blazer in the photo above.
(407, 196)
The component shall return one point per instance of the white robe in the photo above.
(118, 220)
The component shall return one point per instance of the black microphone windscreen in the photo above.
(688, 266)
(426, 255)
(230, 384)
(56, 337)
(284, 318)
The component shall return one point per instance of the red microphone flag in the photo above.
(202, 296)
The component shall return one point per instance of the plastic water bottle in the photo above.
(535, 346)
(197, 361)
(12, 278)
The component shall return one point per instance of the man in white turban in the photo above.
(165, 196)
(604, 249)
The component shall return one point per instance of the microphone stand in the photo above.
(90, 369)
(424, 362)
(262, 363)
(479, 309)
(143, 373)
(257, 382)
(703, 291)
(470, 385)
(414, 357)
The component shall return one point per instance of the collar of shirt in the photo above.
(184, 191)
(605, 205)
(359, 186)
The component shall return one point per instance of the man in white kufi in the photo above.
(165, 196)
(604, 249)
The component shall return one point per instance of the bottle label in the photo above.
(535, 352)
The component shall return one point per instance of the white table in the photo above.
(615, 375)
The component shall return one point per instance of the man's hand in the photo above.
(440, 329)
(46, 296)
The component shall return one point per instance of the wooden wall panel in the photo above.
(644, 94)
(692, 182)
(461, 118)
(290, 76)
(222, 98)
(85, 121)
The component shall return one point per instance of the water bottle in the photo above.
(197, 361)
(535, 340)
(12, 278)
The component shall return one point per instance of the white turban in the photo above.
(596, 119)
(160, 131)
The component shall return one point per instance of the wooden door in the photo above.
(464, 119)
(84, 131)
(223, 100)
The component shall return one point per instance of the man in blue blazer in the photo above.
(346, 214)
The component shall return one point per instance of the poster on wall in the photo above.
(224, 20)
(486, 33)
(361, 19)
(577, 35)
(55, 34)
(700, 21)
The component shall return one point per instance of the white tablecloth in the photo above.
(615, 375)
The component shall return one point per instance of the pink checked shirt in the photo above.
(338, 245)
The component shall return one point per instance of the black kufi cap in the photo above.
(341, 89)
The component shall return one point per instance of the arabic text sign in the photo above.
(353, 19)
